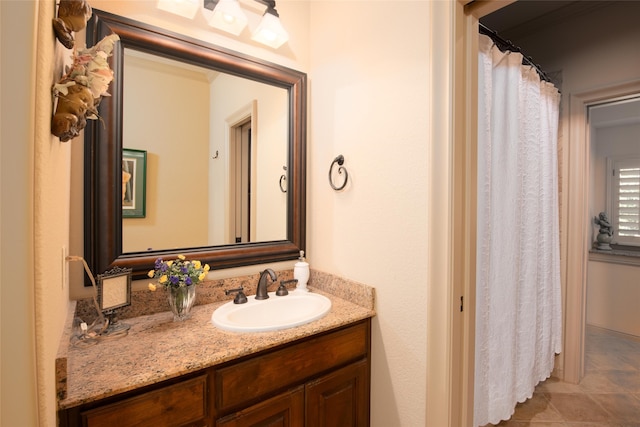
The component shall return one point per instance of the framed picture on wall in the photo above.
(134, 183)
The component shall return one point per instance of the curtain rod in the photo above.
(508, 45)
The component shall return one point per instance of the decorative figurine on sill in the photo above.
(72, 17)
(80, 90)
(605, 235)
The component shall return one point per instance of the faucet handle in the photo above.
(282, 289)
(240, 297)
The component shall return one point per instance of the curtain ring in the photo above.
(340, 161)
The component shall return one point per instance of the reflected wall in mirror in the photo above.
(216, 154)
(218, 127)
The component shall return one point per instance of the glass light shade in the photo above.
(185, 8)
(227, 16)
(270, 31)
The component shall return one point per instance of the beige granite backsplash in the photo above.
(354, 292)
(145, 302)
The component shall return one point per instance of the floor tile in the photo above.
(554, 385)
(577, 407)
(628, 381)
(622, 407)
(536, 409)
(598, 382)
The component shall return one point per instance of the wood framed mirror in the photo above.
(103, 193)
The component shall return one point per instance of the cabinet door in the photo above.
(285, 410)
(339, 399)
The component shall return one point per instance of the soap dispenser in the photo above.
(301, 273)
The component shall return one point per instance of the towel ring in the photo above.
(340, 161)
(283, 178)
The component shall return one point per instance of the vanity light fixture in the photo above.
(225, 15)
(270, 30)
(185, 8)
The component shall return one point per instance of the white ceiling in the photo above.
(615, 113)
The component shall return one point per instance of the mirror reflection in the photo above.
(216, 148)
(209, 193)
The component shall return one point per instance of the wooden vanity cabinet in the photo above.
(324, 377)
(319, 381)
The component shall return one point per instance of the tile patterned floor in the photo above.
(608, 396)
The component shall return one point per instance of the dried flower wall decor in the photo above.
(80, 90)
(72, 17)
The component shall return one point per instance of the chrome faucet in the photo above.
(261, 292)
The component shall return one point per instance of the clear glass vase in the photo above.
(181, 300)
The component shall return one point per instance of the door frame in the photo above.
(575, 237)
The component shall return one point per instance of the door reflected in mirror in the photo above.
(216, 145)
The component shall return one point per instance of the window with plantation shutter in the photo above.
(625, 200)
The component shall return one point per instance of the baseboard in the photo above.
(615, 333)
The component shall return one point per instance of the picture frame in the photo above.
(134, 183)
(114, 289)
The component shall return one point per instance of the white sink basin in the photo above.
(271, 314)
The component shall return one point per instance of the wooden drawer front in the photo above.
(284, 410)
(256, 377)
(174, 405)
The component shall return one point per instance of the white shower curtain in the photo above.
(518, 310)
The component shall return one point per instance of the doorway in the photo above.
(574, 234)
(241, 176)
(240, 181)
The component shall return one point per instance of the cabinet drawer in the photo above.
(175, 405)
(252, 379)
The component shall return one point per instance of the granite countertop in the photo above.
(157, 348)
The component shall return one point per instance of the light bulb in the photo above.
(227, 16)
(270, 31)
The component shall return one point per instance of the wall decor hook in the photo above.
(340, 161)
(216, 156)
(283, 178)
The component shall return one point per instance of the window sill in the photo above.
(622, 255)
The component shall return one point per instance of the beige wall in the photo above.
(35, 215)
(369, 100)
(176, 197)
(18, 404)
(613, 293)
